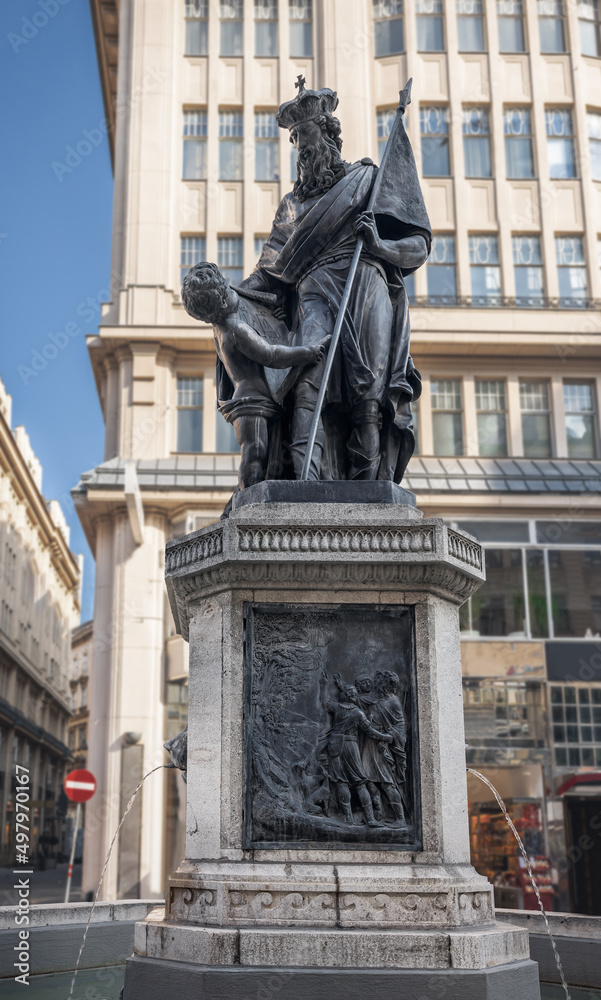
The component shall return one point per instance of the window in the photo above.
(590, 28)
(430, 30)
(470, 25)
(196, 13)
(576, 724)
(491, 408)
(409, 282)
(440, 271)
(293, 163)
(192, 250)
(84, 663)
(560, 143)
(499, 607)
(189, 414)
(266, 27)
(231, 154)
(510, 16)
(551, 27)
(231, 13)
(476, 142)
(195, 146)
(267, 150)
(84, 697)
(447, 416)
(528, 270)
(384, 120)
(389, 37)
(259, 244)
(484, 270)
(579, 403)
(571, 270)
(300, 14)
(518, 143)
(536, 419)
(226, 436)
(229, 257)
(434, 130)
(593, 121)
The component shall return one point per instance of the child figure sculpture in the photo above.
(207, 296)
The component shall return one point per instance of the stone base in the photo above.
(333, 491)
(156, 979)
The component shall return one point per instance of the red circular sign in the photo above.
(80, 785)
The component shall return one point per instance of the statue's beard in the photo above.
(318, 169)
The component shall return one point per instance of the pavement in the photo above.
(45, 886)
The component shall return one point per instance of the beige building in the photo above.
(39, 606)
(82, 660)
(506, 127)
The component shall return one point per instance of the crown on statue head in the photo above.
(306, 106)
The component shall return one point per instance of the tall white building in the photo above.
(506, 126)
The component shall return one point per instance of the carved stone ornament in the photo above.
(330, 726)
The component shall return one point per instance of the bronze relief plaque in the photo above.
(330, 727)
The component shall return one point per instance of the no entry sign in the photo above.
(80, 785)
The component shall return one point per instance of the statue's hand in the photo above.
(367, 228)
(318, 350)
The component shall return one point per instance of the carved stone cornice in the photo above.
(321, 547)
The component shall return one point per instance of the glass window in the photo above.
(497, 531)
(476, 142)
(484, 270)
(593, 121)
(568, 531)
(440, 271)
(571, 270)
(518, 143)
(551, 26)
(195, 146)
(579, 404)
(231, 154)
(579, 730)
(434, 129)
(189, 414)
(267, 149)
(293, 163)
(259, 244)
(470, 25)
(300, 13)
(192, 251)
(590, 28)
(537, 594)
(384, 120)
(491, 410)
(196, 14)
(226, 440)
(536, 418)
(560, 143)
(229, 258)
(528, 270)
(447, 416)
(231, 13)
(389, 35)
(266, 27)
(409, 282)
(430, 27)
(510, 17)
(498, 608)
(575, 596)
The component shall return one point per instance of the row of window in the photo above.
(231, 28)
(389, 28)
(441, 269)
(190, 407)
(519, 145)
(492, 418)
(435, 143)
(576, 725)
(528, 271)
(533, 590)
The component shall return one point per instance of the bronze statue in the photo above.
(341, 244)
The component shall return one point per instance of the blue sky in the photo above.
(55, 229)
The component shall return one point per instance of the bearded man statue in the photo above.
(366, 430)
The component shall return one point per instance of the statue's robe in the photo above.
(307, 233)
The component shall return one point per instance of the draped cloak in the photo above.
(307, 233)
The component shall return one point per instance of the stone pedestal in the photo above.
(314, 627)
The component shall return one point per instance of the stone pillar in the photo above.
(327, 834)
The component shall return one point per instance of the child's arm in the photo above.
(249, 343)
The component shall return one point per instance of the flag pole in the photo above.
(404, 100)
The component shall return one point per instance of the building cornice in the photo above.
(105, 22)
(13, 464)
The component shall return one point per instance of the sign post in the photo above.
(79, 787)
